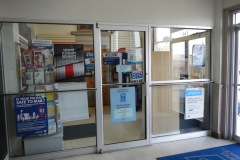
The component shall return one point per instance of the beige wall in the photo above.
(160, 12)
(54, 29)
(230, 3)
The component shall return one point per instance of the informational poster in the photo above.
(111, 58)
(135, 55)
(31, 115)
(123, 104)
(89, 63)
(194, 103)
(137, 75)
(198, 55)
(69, 62)
(73, 105)
(123, 68)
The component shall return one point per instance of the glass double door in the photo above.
(121, 99)
(86, 108)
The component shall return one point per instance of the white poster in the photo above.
(194, 103)
(73, 105)
(198, 55)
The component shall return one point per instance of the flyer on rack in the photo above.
(194, 103)
(123, 104)
(31, 115)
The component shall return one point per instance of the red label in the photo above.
(69, 71)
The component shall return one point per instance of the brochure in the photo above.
(38, 59)
(39, 75)
(29, 76)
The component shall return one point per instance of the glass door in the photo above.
(123, 77)
(180, 62)
(237, 86)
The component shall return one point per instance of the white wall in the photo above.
(9, 37)
(54, 29)
(161, 12)
(230, 3)
(217, 43)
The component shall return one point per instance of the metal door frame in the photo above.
(101, 147)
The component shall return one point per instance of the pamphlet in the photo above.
(51, 109)
(38, 59)
(29, 76)
(39, 75)
(51, 95)
(27, 58)
(49, 76)
(51, 126)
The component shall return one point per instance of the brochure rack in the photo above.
(38, 76)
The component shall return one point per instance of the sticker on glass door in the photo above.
(123, 104)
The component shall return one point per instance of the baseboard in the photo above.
(216, 135)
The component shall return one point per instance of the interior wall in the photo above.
(218, 87)
(230, 3)
(10, 36)
(54, 29)
(159, 12)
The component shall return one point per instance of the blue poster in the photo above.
(123, 104)
(111, 58)
(137, 75)
(31, 115)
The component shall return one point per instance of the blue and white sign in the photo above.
(135, 55)
(111, 58)
(31, 115)
(137, 75)
(123, 104)
(194, 103)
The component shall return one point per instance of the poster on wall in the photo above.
(123, 104)
(198, 55)
(69, 62)
(31, 115)
(194, 103)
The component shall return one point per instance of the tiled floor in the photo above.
(156, 150)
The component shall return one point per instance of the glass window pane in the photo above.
(123, 122)
(238, 90)
(237, 18)
(40, 58)
(169, 111)
(186, 54)
(238, 62)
